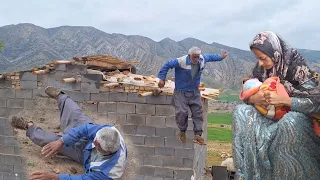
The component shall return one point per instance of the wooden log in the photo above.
(145, 94)
(111, 85)
(69, 80)
(62, 62)
(40, 72)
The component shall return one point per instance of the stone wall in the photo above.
(148, 123)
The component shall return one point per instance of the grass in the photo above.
(217, 133)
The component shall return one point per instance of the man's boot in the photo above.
(19, 123)
(199, 140)
(182, 137)
(52, 92)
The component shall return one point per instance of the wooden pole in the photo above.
(145, 94)
(62, 62)
(40, 72)
(69, 80)
(111, 85)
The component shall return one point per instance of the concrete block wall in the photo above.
(147, 123)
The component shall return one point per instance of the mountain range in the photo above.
(28, 45)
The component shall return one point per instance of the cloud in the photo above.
(233, 23)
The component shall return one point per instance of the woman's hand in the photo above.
(258, 99)
(275, 99)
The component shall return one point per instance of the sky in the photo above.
(230, 22)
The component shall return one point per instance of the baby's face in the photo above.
(251, 83)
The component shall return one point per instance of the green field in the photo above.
(215, 132)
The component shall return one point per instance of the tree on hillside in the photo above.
(1, 45)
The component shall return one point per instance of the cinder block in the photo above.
(4, 122)
(154, 141)
(146, 170)
(163, 172)
(146, 109)
(24, 94)
(6, 149)
(14, 176)
(183, 174)
(77, 68)
(134, 98)
(38, 93)
(88, 107)
(105, 107)
(3, 102)
(91, 78)
(166, 132)
(6, 168)
(29, 104)
(184, 153)
(6, 112)
(156, 121)
(100, 97)
(187, 163)
(175, 142)
(118, 97)
(164, 151)
(7, 93)
(137, 140)
(165, 110)
(122, 118)
(136, 119)
(78, 96)
(138, 177)
(5, 84)
(18, 169)
(171, 122)
(144, 150)
(15, 103)
(153, 160)
(128, 129)
(28, 84)
(5, 131)
(9, 141)
(156, 99)
(60, 67)
(13, 160)
(172, 161)
(146, 130)
(27, 76)
(170, 100)
(126, 108)
(152, 178)
(90, 87)
(63, 86)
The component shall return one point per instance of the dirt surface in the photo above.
(214, 151)
(46, 115)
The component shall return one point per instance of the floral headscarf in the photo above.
(289, 66)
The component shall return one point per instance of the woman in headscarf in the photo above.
(288, 148)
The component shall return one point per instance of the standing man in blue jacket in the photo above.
(188, 70)
(100, 148)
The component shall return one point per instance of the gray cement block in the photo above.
(146, 130)
(156, 121)
(5, 83)
(171, 122)
(100, 97)
(6, 168)
(154, 141)
(163, 172)
(146, 170)
(90, 87)
(134, 98)
(183, 174)
(136, 119)
(105, 107)
(4, 122)
(170, 100)
(18, 168)
(89, 108)
(15, 103)
(24, 93)
(137, 140)
(27, 76)
(7, 93)
(165, 110)
(187, 163)
(64, 86)
(138, 177)
(126, 108)
(29, 104)
(144, 150)
(118, 97)
(176, 143)
(61, 67)
(128, 129)
(152, 178)
(166, 132)
(153, 160)
(184, 153)
(9, 140)
(78, 96)
(6, 131)
(156, 99)
(146, 109)
(77, 68)
(13, 160)
(6, 149)
(172, 161)
(164, 151)
(28, 84)
(91, 78)
(3, 102)
(38, 93)
(6, 112)
(122, 118)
